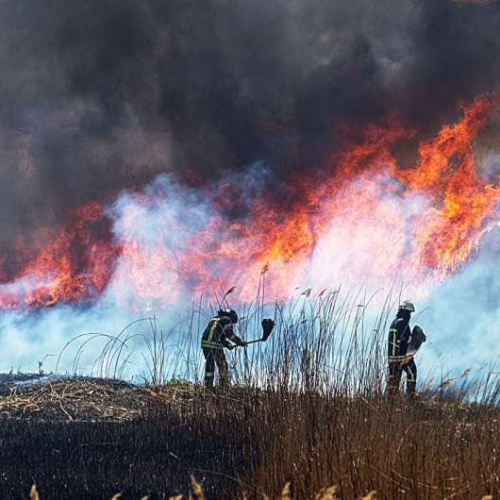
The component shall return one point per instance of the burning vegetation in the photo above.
(335, 141)
(156, 155)
(432, 217)
(75, 265)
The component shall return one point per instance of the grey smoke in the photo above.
(97, 97)
(100, 96)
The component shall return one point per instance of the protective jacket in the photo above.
(399, 339)
(218, 333)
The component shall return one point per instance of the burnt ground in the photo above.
(87, 438)
(91, 438)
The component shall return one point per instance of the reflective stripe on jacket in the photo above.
(218, 333)
(399, 336)
(211, 338)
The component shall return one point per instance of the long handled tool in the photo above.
(267, 328)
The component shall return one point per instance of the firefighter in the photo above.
(218, 334)
(399, 361)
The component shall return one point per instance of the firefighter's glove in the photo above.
(267, 326)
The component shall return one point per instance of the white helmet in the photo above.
(407, 306)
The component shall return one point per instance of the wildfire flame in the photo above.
(362, 216)
(74, 266)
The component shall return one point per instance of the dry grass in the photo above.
(197, 490)
(330, 493)
(79, 399)
(307, 410)
(34, 493)
(427, 449)
(422, 450)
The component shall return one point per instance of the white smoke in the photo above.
(155, 228)
(368, 241)
(461, 316)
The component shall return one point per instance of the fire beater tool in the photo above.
(418, 337)
(267, 328)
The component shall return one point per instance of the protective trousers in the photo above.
(394, 377)
(215, 357)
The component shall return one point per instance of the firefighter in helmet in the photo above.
(399, 357)
(218, 334)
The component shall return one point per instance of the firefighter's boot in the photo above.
(411, 390)
(209, 380)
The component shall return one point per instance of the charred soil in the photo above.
(92, 438)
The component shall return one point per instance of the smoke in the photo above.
(459, 318)
(99, 98)
(157, 226)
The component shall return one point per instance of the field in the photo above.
(306, 412)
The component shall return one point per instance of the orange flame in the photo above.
(75, 266)
(370, 218)
(362, 216)
(463, 203)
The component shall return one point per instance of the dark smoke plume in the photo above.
(97, 96)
